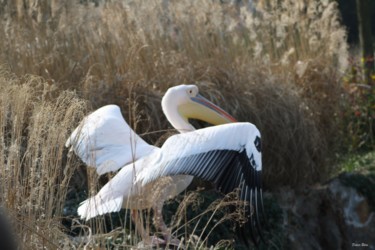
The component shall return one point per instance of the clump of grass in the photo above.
(34, 173)
(192, 223)
(277, 65)
(363, 163)
(358, 114)
(282, 61)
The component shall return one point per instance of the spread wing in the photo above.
(105, 141)
(228, 156)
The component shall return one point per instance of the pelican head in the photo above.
(184, 101)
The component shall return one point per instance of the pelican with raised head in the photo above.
(228, 155)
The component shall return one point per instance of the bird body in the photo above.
(135, 185)
(228, 155)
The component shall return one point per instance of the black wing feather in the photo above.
(228, 170)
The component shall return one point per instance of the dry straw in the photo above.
(273, 63)
(34, 171)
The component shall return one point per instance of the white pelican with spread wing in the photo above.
(228, 155)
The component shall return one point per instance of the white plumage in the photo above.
(105, 141)
(228, 155)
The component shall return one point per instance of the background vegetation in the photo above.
(280, 65)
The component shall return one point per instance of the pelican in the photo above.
(228, 155)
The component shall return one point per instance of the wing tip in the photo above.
(95, 206)
(251, 233)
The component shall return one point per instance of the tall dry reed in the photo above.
(275, 63)
(34, 171)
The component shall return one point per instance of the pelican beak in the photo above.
(202, 109)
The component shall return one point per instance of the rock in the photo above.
(358, 215)
(329, 216)
(312, 220)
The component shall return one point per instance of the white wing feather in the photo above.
(121, 188)
(232, 136)
(105, 141)
(93, 207)
(136, 183)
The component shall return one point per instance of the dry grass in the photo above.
(34, 171)
(278, 67)
(193, 223)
